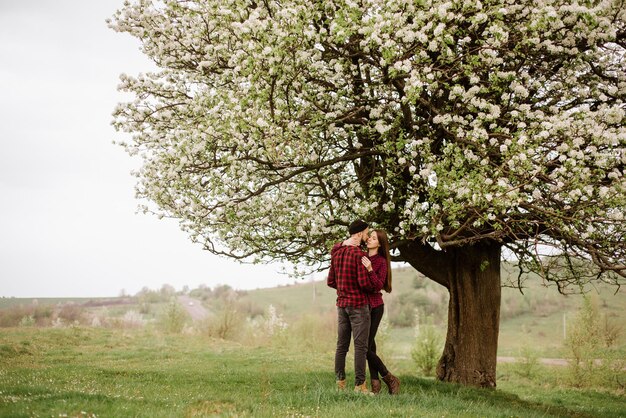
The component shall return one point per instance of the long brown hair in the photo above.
(383, 250)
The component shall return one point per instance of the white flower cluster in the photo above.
(274, 321)
(268, 129)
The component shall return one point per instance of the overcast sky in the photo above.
(67, 209)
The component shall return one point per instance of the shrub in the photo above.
(224, 292)
(432, 300)
(71, 313)
(402, 309)
(528, 362)
(249, 308)
(594, 362)
(147, 296)
(27, 321)
(419, 282)
(227, 324)
(144, 308)
(133, 319)
(427, 348)
(12, 317)
(513, 305)
(582, 341)
(202, 292)
(611, 332)
(274, 322)
(173, 318)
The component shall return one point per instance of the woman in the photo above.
(378, 264)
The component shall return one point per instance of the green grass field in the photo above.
(87, 372)
(112, 370)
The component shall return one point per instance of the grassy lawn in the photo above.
(80, 372)
(118, 370)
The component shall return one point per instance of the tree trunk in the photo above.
(469, 355)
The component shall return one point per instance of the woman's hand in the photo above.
(367, 263)
(350, 243)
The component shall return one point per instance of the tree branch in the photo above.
(424, 258)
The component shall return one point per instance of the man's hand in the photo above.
(367, 263)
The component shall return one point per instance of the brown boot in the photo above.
(375, 386)
(362, 388)
(393, 383)
(341, 384)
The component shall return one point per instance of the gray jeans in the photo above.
(355, 322)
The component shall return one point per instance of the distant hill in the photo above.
(537, 318)
(411, 286)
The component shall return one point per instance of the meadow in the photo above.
(88, 372)
(145, 358)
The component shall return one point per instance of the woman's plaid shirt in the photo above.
(349, 276)
(379, 278)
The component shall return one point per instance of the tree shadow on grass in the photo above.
(498, 398)
(426, 396)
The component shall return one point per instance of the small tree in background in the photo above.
(173, 318)
(590, 343)
(427, 347)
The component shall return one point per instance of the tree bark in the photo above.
(470, 352)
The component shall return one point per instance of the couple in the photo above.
(359, 278)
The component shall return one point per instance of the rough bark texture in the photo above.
(472, 276)
(470, 352)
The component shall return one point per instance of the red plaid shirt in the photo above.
(379, 277)
(349, 276)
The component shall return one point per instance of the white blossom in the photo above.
(262, 116)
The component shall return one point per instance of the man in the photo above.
(349, 276)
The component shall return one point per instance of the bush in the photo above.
(594, 362)
(402, 310)
(528, 364)
(274, 322)
(202, 292)
(427, 348)
(173, 318)
(144, 308)
(27, 321)
(513, 305)
(133, 319)
(249, 308)
(12, 317)
(419, 282)
(611, 331)
(147, 296)
(71, 313)
(228, 324)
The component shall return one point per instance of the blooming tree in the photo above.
(464, 128)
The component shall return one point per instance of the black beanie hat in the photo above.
(357, 226)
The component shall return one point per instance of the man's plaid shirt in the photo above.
(349, 276)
